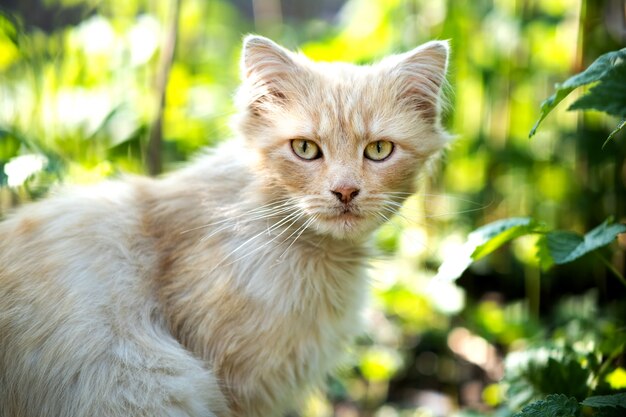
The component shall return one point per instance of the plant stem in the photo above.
(155, 139)
(532, 281)
(607, 363)
(612, 268)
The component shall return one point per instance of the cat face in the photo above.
(342, 143)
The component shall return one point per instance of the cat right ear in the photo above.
(421, 73)
(266, 68)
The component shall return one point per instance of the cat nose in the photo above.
(345, 194)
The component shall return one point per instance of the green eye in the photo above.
(378, 150)
(306, 149)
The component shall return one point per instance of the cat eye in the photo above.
(378, 150)
(306, 149)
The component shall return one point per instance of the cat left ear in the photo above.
(263, 56)
(266, 65)
(422, 73)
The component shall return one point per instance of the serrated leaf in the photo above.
(556, 405)
(599, 69)
(483, 241)
(561, 245)
(543, 254)
(544, 370)
(566, 247)
(600, 401)
(565, 375)
(609, 95)
(500, 232)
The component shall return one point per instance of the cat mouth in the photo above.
(345, 213)
(343, 222)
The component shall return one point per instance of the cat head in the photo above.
(343, 142)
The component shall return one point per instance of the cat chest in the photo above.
(272, 365)
(275, 344)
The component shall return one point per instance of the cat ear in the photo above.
(262, 56)
(421, 74)
(266, 67)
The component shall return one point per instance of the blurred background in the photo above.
(91, 89)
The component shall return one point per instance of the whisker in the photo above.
(442, 195)
(303, 227)
(392, 223)
(402, 216)
(258, 217)
(434, 216)
(477, 206)
(262, 209)
(264, 231)
(288, 218)
(453, 197)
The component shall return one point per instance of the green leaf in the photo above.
(608, 96)
(565, 375)
(597, 71)
(556, 405)
(615, 131)
(543, 254)
(548, 105)
(562, 244)
(565, 246)
(9, 27)
(9, 145)
(543, 370)
(599, 401)
(483, 241)
(500, 232)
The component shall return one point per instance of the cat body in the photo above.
(230, 287)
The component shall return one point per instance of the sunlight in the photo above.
(20, 168)
(96, 35)
(143, 38)
(457, 256)
(446, 296)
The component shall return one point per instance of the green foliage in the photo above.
(608, 94)
(553, 247)
(545, 370)
(562, 372)
(80, 94)
(490, 237)
(603, 401)
(559, 405)
(553, 406)
(568, 246)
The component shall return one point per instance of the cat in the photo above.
(231, 286)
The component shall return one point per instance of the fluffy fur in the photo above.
(229, 287)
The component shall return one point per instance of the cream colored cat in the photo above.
(232, 286)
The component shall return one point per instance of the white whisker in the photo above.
(294, 217)
(258, 210)
(267, 215)
(303, 228)
(434, 216)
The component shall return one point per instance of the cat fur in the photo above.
(229, 287)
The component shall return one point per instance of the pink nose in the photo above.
(345, 194)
